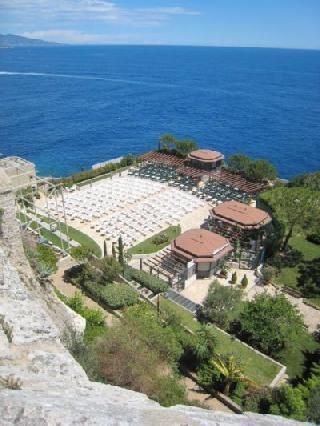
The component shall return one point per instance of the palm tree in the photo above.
(229, 368)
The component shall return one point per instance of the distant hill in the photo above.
(12, 40)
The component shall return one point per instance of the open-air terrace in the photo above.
(125, 205)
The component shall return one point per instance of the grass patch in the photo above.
(289, 276)
(74, 234)
(80, 238)
(48, 235)
(309, 250)
(255, 367)
(150, 245)
(314, 301)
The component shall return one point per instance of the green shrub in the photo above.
(268, 273)
(114, 296)
(94, 317)
(154, 284)
(314, 237)
(82, 253)
(90, 174)
(234, 278)
(244, 281)
(160, 239)
(46, 256)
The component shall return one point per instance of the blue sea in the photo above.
(66, 108)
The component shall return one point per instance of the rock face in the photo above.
(41, 383)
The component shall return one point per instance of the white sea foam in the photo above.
(88, 77)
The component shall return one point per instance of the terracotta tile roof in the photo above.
(200, 243)
(241, 214)
(205, 155)
(222, 175)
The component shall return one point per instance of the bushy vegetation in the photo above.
(42, 258)
(254, 170)
(309, 278)
(93, 173)
(95, 325)
(269, 323)
(155, 284)
(314, 237)
(310, 180)
(300, 401)
(182, 148)
(82, 253)
(114, 296)
(100, 279)
(221, 304)
(296, 209)
(140, 353)
(157, 242)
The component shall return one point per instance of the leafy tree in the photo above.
(269, 323)
(313, 407)
(121, 251)
(114, 252)
(254, 170)
(260, 170)
(181, 147)
(204, 347)
(110, 269)
(230, 370)
(309, 278)
(310, 180)
(288, 402)
(220, 304)
(167, 142)
(239, 163)
(314, 237)
(293, 207)
(184, 147)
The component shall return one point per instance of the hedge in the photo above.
(114, 296)
(154, 284)
(92, 173)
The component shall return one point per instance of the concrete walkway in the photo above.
(195, 393)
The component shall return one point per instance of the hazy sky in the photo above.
(274, 23)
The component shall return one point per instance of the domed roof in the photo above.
(241, 214)
(206, 155)
(200, 243)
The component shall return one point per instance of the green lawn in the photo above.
(148, 246)
(81, 238)
(255, 367)
(310, 250)
(288, 276)
(48, 235)
(74, 234)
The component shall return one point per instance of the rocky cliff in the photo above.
(41, 383)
